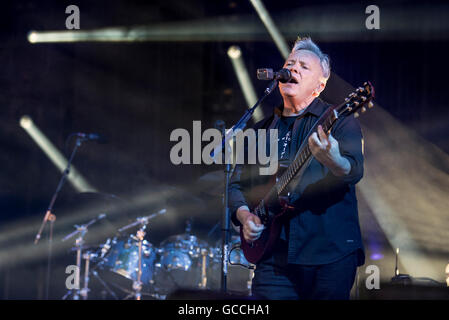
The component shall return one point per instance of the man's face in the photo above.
(306, 76)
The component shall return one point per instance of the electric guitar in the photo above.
(270, 201)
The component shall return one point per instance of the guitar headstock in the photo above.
(357, 101)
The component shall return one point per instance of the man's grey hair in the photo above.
(309, 45)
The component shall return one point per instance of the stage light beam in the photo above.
(271, 27)
(74, 177)
(235, 55)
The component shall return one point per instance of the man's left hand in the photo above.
(326, 150)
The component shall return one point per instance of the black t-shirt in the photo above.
(285, 136)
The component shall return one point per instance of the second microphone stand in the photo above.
(50, 216)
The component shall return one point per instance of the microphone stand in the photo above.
(49, 216)
(226, 221)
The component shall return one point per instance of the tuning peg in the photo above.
(356, 103)
(370, 104)
(356, 115)
(359, 89)
(346, 99)
(363, 98)
(363, 109)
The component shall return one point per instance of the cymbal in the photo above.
(89, 205)
(106, 198)
(182, 200)
(211, 183)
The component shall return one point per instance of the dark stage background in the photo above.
(136, 93)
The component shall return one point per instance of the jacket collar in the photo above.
(315, 108)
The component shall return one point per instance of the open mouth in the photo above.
(293, 80)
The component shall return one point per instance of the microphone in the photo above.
(283, 75)
(92, 137)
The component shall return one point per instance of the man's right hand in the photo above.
(251, 224)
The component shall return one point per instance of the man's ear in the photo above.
(319, 89)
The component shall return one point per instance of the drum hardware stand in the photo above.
(143, 221)
(226, 137)
(130, 293)
(81, 230)
(86, 256)
(249, 283)
(399, 277)
(50, 216)
(203, 283)
(95, 273)
(105, 248)
(137, 286)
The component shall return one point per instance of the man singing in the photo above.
(320, 245)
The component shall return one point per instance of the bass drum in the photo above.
(183, 264)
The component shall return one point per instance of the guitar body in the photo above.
(256, 250)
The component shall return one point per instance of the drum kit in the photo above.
(182, 261)
(129, 267)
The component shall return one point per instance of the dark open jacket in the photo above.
(324, 226)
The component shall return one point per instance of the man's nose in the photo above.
(293, 68)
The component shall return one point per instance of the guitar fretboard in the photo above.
(303, 154)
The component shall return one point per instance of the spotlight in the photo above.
(32, 37)
(234, 52)
(26, 122)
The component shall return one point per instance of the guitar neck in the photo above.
(326, 120)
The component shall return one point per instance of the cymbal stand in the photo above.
(78, 245)
(81, 230)
(203, 283)
(143, 220)
(84, 292)
(137, 285)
